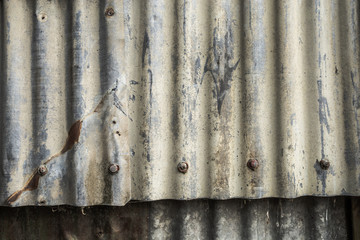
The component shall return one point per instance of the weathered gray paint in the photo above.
(213, 83)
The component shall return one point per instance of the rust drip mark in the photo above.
(30, 185)
(72, 139)
(73, 136)
(33, 182)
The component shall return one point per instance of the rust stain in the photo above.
(30, 185)
(72, 139)
(33, 182)
(73, 136)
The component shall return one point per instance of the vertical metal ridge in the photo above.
(105, 77)
(140, 88)
(310, 125)
(277, 70)
(243, 107)
(205, 34)
(16, 94)
(353, 92)
(2, 89)
(70, 78)
(76, 102)
(40, 89)
(174, 120)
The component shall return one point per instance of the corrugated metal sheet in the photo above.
(302, 218)
(146, 85)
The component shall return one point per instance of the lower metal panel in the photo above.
(302, 218)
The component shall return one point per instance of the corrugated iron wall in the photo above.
(148, 85)
(102, 100)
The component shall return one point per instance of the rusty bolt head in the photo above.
(253, 164)
(114, 168)
(324, 164)
(42, 170)
(183, 167)
(109, 12)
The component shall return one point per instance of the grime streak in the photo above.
(324, 112)
(356, 104)
(147, 79)
(220, 56)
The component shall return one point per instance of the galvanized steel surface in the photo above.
(152, 84)
(219, 83)
(302, 218)
(62, 69)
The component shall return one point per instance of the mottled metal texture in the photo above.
(259, 98)
(218, 83)
(62, 67)
(302, 218)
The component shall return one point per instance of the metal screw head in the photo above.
(324, 164)
(114, 168)
(183, 167)
(109, 12)
(253, 164)
(42, 170)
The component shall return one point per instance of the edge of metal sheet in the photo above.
(302, 218)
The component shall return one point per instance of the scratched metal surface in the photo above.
(302, 218)
(155, 83)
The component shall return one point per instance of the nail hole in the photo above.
(118, 133)
(109, 12)
(42, 17)
(114, 122)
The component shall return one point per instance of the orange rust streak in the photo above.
(30, 185)
(72, 139)
(73, 136)
(33, 182)
(13, 197)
